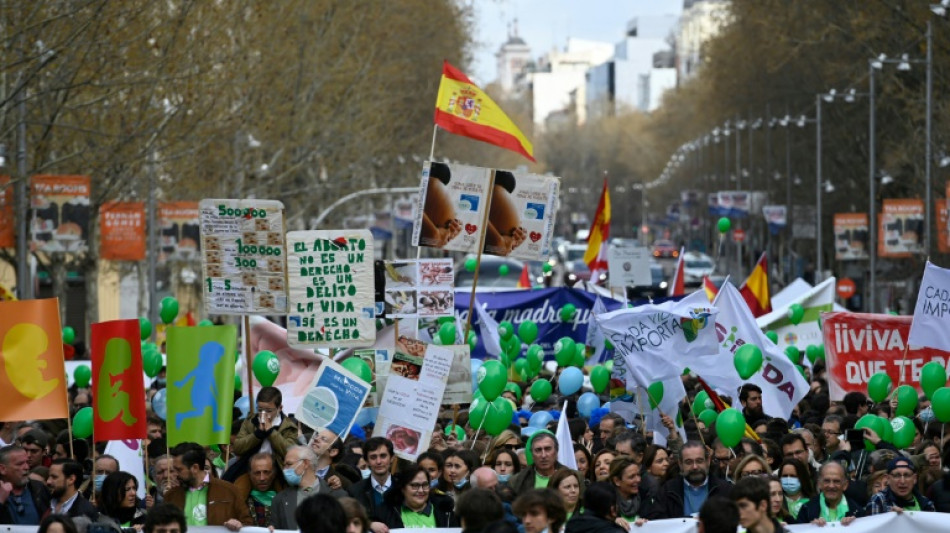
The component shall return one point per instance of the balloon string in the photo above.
(475, 438)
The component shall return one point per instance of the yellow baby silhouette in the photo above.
(23, 348)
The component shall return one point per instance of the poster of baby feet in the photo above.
(521, 216)
(451, 206)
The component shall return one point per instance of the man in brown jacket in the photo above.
(204, 500)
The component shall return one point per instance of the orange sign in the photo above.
(900, 228)
(123, 231)
(7, 219)
(32, 373)
(846, 288)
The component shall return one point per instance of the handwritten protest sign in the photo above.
(333, 399)
(332, 289)
(420, 288)
(243, 256)
(413, 396)
(859, 345)
(929, 327)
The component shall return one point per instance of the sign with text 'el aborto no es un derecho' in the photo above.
(331, 289)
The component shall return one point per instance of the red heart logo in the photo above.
(535, 236)
(470, 228)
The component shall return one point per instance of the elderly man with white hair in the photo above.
(300, 472)
(484, 478)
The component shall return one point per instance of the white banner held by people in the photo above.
(929, 327)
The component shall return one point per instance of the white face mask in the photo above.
(365, 473)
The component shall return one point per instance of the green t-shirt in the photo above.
(540, 482)
(795, 506)
(196, 507)
(412, 519)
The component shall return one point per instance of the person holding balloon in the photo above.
(268, 431)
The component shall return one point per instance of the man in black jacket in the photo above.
(600, 511)
(22, 500)
(63, 482)
(378, 452)
(831, 505)
(685, 494)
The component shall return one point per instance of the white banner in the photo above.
(815, 301)
(929, 327)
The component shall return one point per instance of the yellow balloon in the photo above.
(23, 348)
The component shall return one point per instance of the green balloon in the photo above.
(540, 390)
(447, 333)
(546, 268)
(472, 340)
(879, 386)
(795, 313)
(932, 377)
(535, 357)
(793, 354)
(888, 430)
(205, 323)
(503, 358)
(521, 369)
(655, 394)
(528, 331)
(476, 412)
(941, 404)
(811, 352)
(772, 336)
(580, 355)
(266, 367)
(82, 423)
(699, 402)
(724, 226)
(145, 328)
(81, 376)
(906, 400)
(491, 378)
(503, 270)
(457, 430)
(357, 366)
(567, 312)
(470, 264)
(69, 335)
(821, 351)
(730, 427)
(238, 385)
(904, 432)
(564, 350)
(708, 416)
(513, 349)
(609, 363)
(747, 360)
(168, 310)
(599, 378)
(874, 423)
(498, 417)
(151, 362)
(506, 329)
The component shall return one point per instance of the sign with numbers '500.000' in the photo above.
(243, 256)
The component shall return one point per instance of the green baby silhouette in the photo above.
(113, 401)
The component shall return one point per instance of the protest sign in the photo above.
(130, 455)
(859, 345)
(7, 219)
(180, 233)
(851, 236)
(332, 289)
(629, 266)
(413, 396)
(900, 227)
(122, 231)
(333, 400)
(929, 327)
(244, 259)
(419, 288)
(521, 216)
(451, 209)
(374, 359)
(119, 407)
(60, 213)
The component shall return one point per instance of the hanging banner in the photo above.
(180, 233)
(419, 288)
(735, 204)
(119, 406)
(775, 217)
(332, 289)
(122, 231)
(900, 228)
(60, 213)
(803, 218)
(7, 217)
(712, 205)
(859, 345)
(243, 260)
(333, 400)
(851, 236)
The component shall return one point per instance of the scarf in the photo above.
(840, 511)
(265, 497)
(628, 508)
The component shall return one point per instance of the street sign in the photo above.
(846, 288)
(738, 235)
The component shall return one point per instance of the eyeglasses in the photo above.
(722, 460)
(751, 473)
(419, 487)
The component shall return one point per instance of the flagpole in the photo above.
(435, 129)
(69, 426)
(248, 363)
(478, 257)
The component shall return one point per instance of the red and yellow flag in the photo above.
(464, 109)
(711, 289)
(596, 254)
(33, 374)
(524, 282)
(678, 285)
(119, 401)
(755, 290)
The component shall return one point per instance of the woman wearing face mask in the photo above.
(458, 465)
(632, 504)
(602, 464)
(410, 502)
(505, 463)
(796, 483)
(540, 511)
(433, 463)
(567, 483)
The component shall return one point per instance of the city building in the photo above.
(701, 21)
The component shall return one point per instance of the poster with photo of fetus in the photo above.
(452, 203)
(521, 215)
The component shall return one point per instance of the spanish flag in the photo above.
(596, 254)
(710, 288)
(755, 290)
(464, 109)
(524, 282)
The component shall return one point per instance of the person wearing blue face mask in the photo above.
(104, 465)
(505, 463)
(301, 476)
(458, 465)
(433, 463)
(795, 478)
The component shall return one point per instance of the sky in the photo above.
(546, 24)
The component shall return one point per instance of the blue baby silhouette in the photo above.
(204, 390)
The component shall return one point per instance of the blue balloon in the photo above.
(570, 381)
(528, 431)
(587, 403)
(540, 420)
(366, 416)
(244, 405)
(160, 404)
(476, 364)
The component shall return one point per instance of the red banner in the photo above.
(119, 399)
(7, 219)
(859, 345)
(122, 226)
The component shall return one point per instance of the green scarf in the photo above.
(839, 512)
(265, 497)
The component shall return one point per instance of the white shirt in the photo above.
(381, 488)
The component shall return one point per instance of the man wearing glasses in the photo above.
(831, 505)
(831, 427)
(22, 500)
(901, 492)
(269, 431)
(300, 472)
(685, 494)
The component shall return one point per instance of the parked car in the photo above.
(695, 266)
(664, 248)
